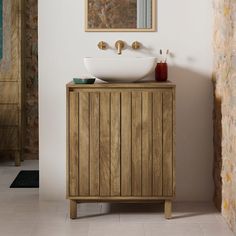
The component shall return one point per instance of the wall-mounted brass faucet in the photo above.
(119, 46)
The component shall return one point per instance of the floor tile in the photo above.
(167, 229)
(49, 230)
(77, 228)
(216, 229)
(23, 214)
(16, 228)
(116, 229)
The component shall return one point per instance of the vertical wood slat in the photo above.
(126, 143)
(84, 143)
(167, 144)
(73, 144)
(157, 143)
(147, 143)
(136, 144)
(104, 144)
(115, 144)
(94, 144)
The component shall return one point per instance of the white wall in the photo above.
(185, 27)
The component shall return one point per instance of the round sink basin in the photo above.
(121, 69)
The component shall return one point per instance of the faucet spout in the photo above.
(119, 49)
(119, 46)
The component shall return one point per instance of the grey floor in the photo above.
(22, 214)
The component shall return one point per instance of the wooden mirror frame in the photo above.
(153, 29)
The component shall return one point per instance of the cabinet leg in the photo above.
(168, 209)
(73, 209)
(17, 158)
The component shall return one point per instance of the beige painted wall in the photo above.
(185, 27)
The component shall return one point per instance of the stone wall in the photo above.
(225, 108)
(31, 80)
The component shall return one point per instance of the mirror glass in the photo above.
(120, 15)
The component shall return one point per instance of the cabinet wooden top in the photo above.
(144, 84)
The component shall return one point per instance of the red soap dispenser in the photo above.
(161, 72)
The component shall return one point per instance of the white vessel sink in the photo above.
(120, 69)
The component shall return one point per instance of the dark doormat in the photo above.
(26, 179)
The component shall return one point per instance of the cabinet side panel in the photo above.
(147, 99)
(73, 144)
(157, 143)
(136, 144)
(83, 144)
(126, 144)
(94, 144)
(115, 144)
(105, 144)
(167, 143)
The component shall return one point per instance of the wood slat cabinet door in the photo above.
(121, 143)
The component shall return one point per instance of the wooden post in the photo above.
(17, 158)
(73, 209)
(168, 209)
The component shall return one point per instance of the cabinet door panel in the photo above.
(167, 144)
(121, 143)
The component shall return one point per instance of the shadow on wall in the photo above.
(194, 163)
(217, 169)
(217, 149)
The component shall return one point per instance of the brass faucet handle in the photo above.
(136, 45)
(102, 45)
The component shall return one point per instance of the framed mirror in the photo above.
(120, 15)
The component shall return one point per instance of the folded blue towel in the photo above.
(84, 81)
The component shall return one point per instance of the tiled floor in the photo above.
(22, 214)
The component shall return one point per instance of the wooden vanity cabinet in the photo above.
(12, 80)
(121, 143)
